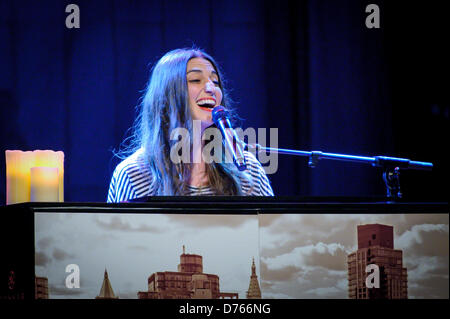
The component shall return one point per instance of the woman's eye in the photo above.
(194, 81)
(216, 83)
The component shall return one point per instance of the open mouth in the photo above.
(206, 104)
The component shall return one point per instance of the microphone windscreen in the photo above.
(217, 113)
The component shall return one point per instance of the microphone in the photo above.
(231, 141)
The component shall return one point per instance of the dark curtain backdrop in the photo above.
(309, 68)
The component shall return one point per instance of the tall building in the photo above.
(253, 292)
(189, 282)
(106, 292)
(40, 288)
(376, 246)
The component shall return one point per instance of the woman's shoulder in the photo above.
(258, 175)
(251, 160)
(131, 178)
(254, 166)
(135, 161)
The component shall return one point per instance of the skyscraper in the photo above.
(40, 287)
(376, 246)
(253, 292)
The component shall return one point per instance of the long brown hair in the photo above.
(165, 107)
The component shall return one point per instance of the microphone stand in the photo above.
(391, 165)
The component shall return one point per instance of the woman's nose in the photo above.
(209, 87)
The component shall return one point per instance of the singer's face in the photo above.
(203, 88)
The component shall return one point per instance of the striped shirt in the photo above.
(132, 179)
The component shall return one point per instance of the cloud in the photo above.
(331, 256)
(290, 231)
(58, 289)
(127, 295)
(275, 295)
(44, 242)
(425, 240)
(310, 283)
(207, 221)
(60, 254)
(41, 259)
(139, 247)
(116, 223)
(431, 287)
(305, 255)
(286, 232)
(312, 271)
(425, 255)
(281, 274)
(323, 292)
(405, 222)
(64, 291)
(428, 276)
(267, 220)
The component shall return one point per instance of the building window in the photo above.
(374, 236)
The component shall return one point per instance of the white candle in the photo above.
(44, 184)
(48, 158)
(18, 166)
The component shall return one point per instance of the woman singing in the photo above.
(184, 86)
